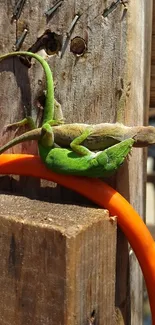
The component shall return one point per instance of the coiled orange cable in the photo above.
(99, 192)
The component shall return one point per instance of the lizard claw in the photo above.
(10, 127)
(56, 122)
(61, 121)
(7, 127)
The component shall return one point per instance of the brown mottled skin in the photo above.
(103, 135)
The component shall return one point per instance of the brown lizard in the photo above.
(103, 135)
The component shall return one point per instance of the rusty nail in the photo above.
(111, 8)
(73, 23)
(78, 46)
(18, 9)
(50, 11)
(20, 40)
(68, 33)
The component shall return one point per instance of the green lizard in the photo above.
(50, 104)
(49, 101)
(103, 135)
(78, 160)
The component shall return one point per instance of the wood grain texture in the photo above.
(139, 58)
(89, 90)
(57, 263)
(152, 89)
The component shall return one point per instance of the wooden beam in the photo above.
(57, 263)
(89, 89)
(152, 89)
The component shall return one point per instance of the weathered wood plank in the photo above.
(138, 106)
(57, 263)
(152, 89)
(136, 112)
(88, 89)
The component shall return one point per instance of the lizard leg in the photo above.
(58, 114)
(47, 136)
(26, 121)
(29, 120)
(113, 157)
(76, 143)
(55, 122)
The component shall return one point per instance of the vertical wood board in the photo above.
(89, 90)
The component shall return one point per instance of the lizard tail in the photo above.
(49, 102)
(27, 136)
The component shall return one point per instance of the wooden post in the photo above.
(109, 82)
(152, 86)
(57, 263)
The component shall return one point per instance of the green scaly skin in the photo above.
(49, 101)
(80, 160)
(100, 164)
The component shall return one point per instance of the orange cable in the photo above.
(99, 192)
